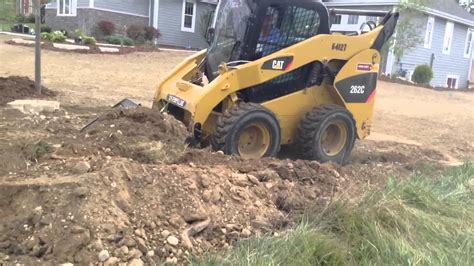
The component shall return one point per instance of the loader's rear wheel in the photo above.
(248, 130)
(327, 133)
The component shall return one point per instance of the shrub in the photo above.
(20, 19)
(46, 28)
(46, 36)
(89, 40)
(30, 19)
(151, 33)
(119, 40)
(56, 36)
(106, 27)
(136, 32)
(423, 74)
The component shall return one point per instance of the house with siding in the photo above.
(182, 23)
(446, 31)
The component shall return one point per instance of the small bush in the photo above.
(151, 33)
(46, 36)
(119, 40)
(106, 27)
(46, 28)
(20, 19)
(423, 74)
(136, 32)
(30, 19)
(89, 40)
(127, 41)
(56, 36)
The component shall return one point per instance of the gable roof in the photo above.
(447, 9)
(450, 9)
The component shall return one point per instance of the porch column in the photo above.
(156, 5)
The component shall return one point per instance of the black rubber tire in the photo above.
(232, 122)
(312, 127)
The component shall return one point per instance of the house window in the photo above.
(374, 19)
(67, 7)
(337, 19)
(452, 81)
(448, 38)
(353, 19)
(469, 41)
(189, 15)
(429, 32)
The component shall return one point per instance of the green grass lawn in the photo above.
(420, 221)
(7, 26)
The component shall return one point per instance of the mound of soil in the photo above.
(128, 191)
(14, 87)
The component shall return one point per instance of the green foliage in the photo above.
(55, 36)
(119, 40)
(423, 74)
(421, 221)
(89, 40)
(34, 151)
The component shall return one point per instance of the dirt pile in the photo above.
(127, 190)
(14, 87)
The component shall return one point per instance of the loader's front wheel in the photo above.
(248, 130)
(327, 133)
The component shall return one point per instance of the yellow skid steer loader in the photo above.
(275, 75)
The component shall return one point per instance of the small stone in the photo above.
(175, 220)
(103, 255)
(66, 264)
(121, 252)
(268, 185)
(246, 232)
(129, 242)
(134, 254)
(150, 253)
(135, 262)
(42, 117)
(205, 181)
(81, 168)
(76, 229)
(112, 261)
(172, 240)
(141, 245)
(253, 179)
(165, 233)
(171, 260)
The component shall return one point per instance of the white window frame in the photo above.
(429, 32)
(448, 37)
(469, 46)
(183, 15)
(72, 8)
(353, 16)
(456, 77)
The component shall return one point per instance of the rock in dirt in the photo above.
(165, 233)
(81, 168)
(112, 261)
(135, 262)
(103, 255)
(34, 106)
(172, 240)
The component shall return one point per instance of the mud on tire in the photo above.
(232, 123)
(327, 121)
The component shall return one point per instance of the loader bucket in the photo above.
(123, 104)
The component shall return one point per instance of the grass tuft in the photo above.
(419, 221)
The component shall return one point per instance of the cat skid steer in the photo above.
(275, 75)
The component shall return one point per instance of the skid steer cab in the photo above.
(275, 75)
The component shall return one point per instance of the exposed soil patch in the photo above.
(15, 87)
(128, 186)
